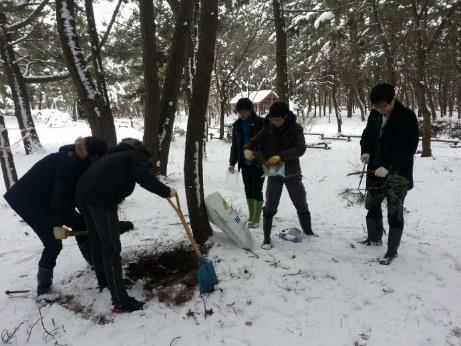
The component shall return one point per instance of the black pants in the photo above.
(104, 233)
(295, 189)
(253, 182)
(394, 189)
(52, 246)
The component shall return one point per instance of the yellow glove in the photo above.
(365, 158)
(249, 154)
(60, 232)
(381, 172)
(274, 160)
(173, 192)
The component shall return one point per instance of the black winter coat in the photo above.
(113, 178)
(287, 141)
(236, 153)
(45, 196)
(396, 147)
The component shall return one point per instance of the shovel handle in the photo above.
(78, 233)
(177, 208)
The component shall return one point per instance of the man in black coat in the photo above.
(388, 145)
(45, 199)
(245, 127)
(99, 191)
(281, 141)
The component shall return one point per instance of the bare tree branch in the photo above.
(111, 23)
(46, 79)
(441, 26)
(28, 20)
(174, 5)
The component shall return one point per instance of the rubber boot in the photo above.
(267, 228)
(251, 208)
(375, 231)
(44, 280)
(305, 222)
(393, 242)
(258, 208)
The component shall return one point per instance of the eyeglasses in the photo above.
(381, 106)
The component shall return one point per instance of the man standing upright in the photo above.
(244, 128)
(388, 145)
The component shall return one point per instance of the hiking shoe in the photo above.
(387, 258)
(129, 305)
(369, 242)
(311, 234)
(266, 246)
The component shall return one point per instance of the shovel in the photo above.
(63, 233)
(205, 273)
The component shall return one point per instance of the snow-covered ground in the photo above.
(322, 291)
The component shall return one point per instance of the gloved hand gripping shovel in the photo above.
(205, 273)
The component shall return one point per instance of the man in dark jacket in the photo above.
(388, 145)
(281, 140)
(99, 191)
(45, 199)
(247, 126)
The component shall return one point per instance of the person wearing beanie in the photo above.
(245, 127)
(44, 198)
(281, 141)
(388, 145)
(99, 192)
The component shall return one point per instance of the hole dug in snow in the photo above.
(169, 276)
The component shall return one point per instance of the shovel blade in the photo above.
(206, 275)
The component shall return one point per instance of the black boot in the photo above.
(267, 228)
(393, 241)
(305, 222)
(44, 280)
(375, 231)
(128, 305)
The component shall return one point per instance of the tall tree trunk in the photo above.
(339, 120)
(193, 170)
(390, 73)
(96, 53)
(172, 84)
(18, 90)
(431, 102)
(6, 157)
(97, 111)
(421, 100)
(280, 51)
(350, 101)
(222, 116)
(361, 102)
(421, 80)
(151, 81)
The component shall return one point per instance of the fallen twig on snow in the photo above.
(7, 336)
(174, 339)
(293, 274)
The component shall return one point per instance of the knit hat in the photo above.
(279, 109)
(244, 103)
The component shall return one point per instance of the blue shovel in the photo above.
(206, 274)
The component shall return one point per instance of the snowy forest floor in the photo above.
(322, 291)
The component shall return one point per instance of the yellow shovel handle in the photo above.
(178, 210)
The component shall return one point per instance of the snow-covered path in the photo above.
(322, 291)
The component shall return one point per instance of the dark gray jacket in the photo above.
(287, 142)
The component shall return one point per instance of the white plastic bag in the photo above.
(272, 171)
(228, 220)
